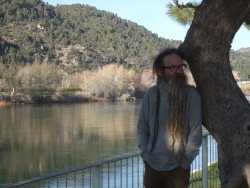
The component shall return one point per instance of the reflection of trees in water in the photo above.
(38, 140)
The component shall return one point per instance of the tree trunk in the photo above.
(226, 112)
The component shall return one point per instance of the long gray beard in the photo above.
(176, 86)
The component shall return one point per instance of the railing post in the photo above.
(96, 177)
(204, 162)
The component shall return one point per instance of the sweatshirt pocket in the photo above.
(145, 155)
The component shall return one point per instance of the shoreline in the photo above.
(72, 97)
(59, 97)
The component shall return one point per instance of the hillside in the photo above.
(75, 37)
(244, 49)
(240, 62)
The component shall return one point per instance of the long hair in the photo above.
(175, 126)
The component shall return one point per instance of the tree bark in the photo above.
(226, 112)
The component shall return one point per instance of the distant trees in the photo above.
(2, 69)
(38, 75)
(110, 81)
(240, 61)
(71, 81)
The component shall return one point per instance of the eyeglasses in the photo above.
(174, 68)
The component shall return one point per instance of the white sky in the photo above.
(152, 15)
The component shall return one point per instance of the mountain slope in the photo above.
(76, 37)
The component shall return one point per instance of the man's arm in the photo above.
(195, 127)
(143, 130)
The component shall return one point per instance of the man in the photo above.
(169, 127)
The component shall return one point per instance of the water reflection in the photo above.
(41, 139)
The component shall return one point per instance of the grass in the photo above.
(213, 177)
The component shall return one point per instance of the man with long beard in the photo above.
(169, 127)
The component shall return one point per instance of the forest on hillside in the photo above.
(240, 61)
(31, 29)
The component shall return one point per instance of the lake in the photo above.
(36, 140)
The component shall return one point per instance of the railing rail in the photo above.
(204, 162)
(98, 172)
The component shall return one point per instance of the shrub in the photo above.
(72, 89)
(60, 54)
(5, 88)
(110, 81)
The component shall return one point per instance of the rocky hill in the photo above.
(243, 50)
(75, 37)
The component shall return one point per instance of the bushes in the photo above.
(42, 75)
(48, 89)
(70, 89)
(36, 89)
(213, 177)
(110, 81)
(5, 88)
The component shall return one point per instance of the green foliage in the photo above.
(184, 16)
(5, 88)
(60, 54)
(240, 61)
(28, 38)
(69, 70)
(35, 89)
(73, 53)
(70, 89)
(247, 26)
(213, 177)
(50, 54)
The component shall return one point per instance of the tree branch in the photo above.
(188, 5)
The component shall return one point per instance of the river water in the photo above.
(36, 140)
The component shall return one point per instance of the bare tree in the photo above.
(110, 81)
(38, 75)
(69, 80)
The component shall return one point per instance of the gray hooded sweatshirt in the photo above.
(158, 158)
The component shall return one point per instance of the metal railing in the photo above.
(204, 169)
(127, 172)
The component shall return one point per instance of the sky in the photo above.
(151, 15)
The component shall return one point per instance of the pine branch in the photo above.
(188, 5)
(247, 21)
(182, 16)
